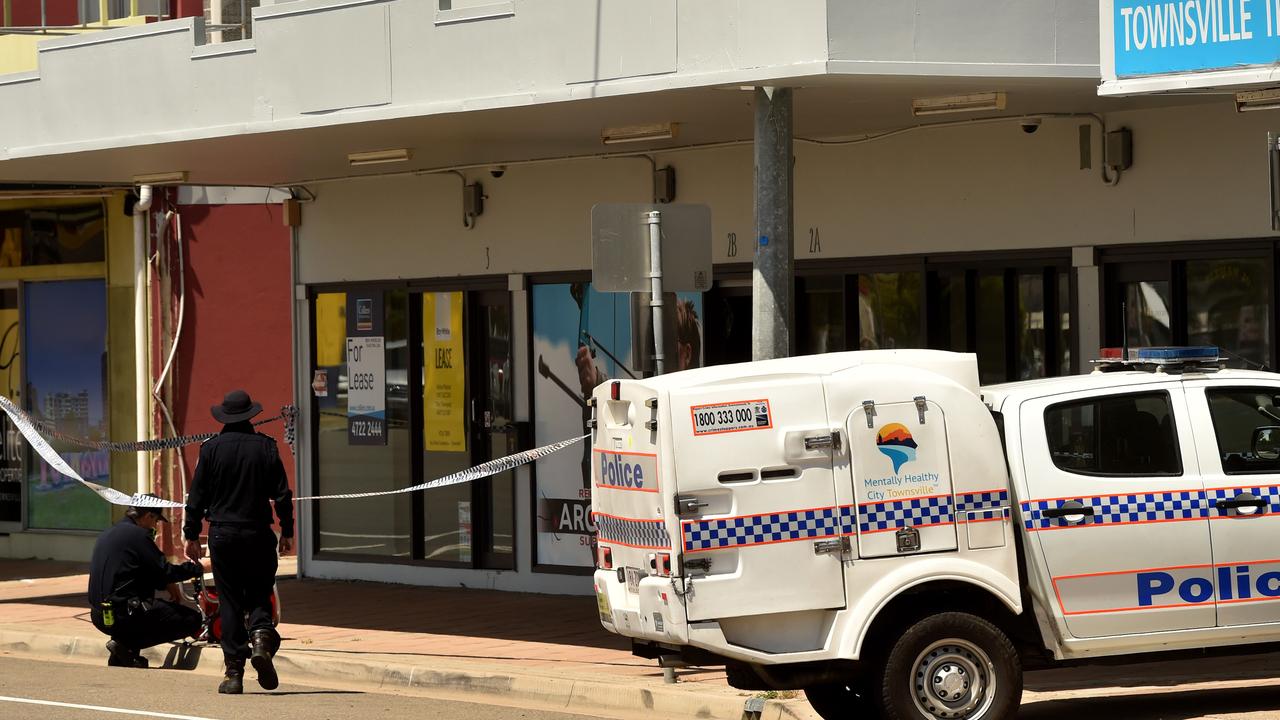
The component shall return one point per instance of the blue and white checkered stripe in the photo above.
(1123, 509)
(632, 533)
(981, 506)
(894, 514)
(701, 535)
(1270, 493)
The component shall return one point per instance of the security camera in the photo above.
(1030, 125)
(498, 171)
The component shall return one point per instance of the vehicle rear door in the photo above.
(1242, 484)
(1116, 508)
(759, 530)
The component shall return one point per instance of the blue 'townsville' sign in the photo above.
(1158, 38)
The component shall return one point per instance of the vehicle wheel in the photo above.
(951, 666)
(840, 701)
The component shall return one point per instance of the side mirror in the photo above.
(1266, 443)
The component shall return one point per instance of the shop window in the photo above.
(1117, 435)
(990, 320)
(1229, 305)
(1032, 338)
(1063, 330)
(12, 446)
(362, 437)
(889, 306)
(65, 346)
(582, 338)
(1148, 320)
(52, 236)
(820, 315)
(1222, 301)
(448, 527)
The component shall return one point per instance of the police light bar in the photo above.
(1194, 353)
(1198, 353)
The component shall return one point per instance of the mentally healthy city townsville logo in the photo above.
(896, 442)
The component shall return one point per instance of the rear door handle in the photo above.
(1241, 501)
(1069, 508)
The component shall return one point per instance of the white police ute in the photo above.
(875, 528)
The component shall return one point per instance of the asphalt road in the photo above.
(124, 693)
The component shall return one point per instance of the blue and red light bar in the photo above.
(1171, 354)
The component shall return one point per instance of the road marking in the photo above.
(99, 708)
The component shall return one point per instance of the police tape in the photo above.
(25, 426)
(479, 472)
(288, 414)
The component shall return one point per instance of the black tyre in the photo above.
(950, 666)
(840, 701)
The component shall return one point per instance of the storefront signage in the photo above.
(444, 391)
(1193, 36)
(366, 370)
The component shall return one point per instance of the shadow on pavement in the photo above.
(1166, 673)
(463, 612)
(1173, 705)
(35, 569)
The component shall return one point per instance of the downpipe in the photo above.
(141, 355)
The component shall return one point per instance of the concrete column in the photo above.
(1088, 314)
(773, 285)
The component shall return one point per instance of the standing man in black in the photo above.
(238, 478)
(125, 572)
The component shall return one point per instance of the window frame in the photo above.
(1096, 400)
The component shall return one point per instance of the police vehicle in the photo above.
(877, 529)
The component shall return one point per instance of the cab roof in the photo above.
(997, 395)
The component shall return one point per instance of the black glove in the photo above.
(192, 569)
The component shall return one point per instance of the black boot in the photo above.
(264, 645)
(233, 682)
(122, 656)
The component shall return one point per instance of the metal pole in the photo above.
(44, 14)
(653, 219)
(1273, 160)
(104, 13)
(772, 282)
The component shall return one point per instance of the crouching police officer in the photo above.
(238, 478)
(125, 572)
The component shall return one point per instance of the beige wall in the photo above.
(1199, 173)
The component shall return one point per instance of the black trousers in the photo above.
(161, 622)
(244, 570)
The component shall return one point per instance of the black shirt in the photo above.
(238, 477)
(126, 563)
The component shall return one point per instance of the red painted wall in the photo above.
(237, 330)
(26, 13)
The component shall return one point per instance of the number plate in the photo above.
(731, 417)
(633, 580)
(602, 603)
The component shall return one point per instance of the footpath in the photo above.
(547, 651)
(497, 647)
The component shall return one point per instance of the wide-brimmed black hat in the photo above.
(157, 511)
(236, 407)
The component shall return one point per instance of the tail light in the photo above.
(615, 390)
(661, 564)
(606, 558)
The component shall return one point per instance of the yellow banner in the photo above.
(444, 387)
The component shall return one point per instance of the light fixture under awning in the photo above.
(974, 102)
(638, 133)
(377, 157)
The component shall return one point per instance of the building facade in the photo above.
(72, 259)
(444, 167)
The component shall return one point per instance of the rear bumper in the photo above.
(654, 614)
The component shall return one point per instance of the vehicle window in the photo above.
(1239, 416)
(1115, 435)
